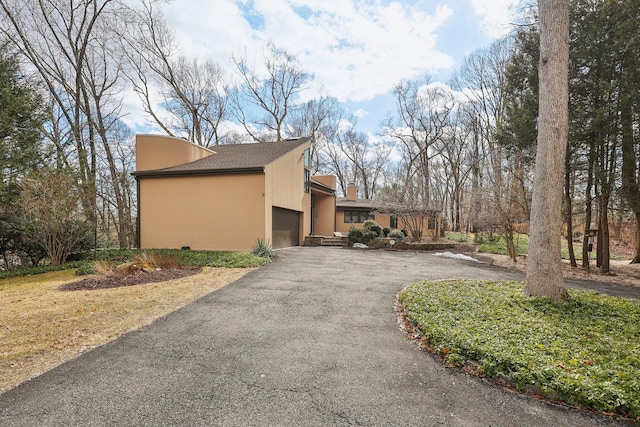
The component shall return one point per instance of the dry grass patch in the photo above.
(42, 327)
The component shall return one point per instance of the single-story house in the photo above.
(230, 196)
(352, 211)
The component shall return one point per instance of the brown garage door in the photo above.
(285, 228)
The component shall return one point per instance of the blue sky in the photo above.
(357, 50)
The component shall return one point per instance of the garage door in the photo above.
(285, 228)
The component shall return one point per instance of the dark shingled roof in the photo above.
(382, 207)
(233, 158)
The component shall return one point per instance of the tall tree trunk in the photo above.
(604, 253)
(630, 180)
(588, 211)
(569, 208)
(544, 272)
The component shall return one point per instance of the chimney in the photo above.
(352, 191)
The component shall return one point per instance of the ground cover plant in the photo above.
(584, 351)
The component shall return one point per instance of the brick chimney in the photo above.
(352, 191)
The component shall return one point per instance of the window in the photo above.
(307, 177)
(393, 221)
(307, 158)
(353, 216)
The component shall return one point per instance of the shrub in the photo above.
(405, 232)
(368, 224)
(386, 231)
(360, 235)
(396, 234)
(376, 229)
(263, 249)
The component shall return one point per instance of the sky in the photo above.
(356, 50)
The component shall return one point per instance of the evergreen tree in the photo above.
(21, 118)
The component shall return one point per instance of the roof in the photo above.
(232, 158)
(320, 186)
(344, 203)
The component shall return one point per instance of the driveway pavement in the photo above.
(311, 339)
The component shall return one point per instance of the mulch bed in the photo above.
(105, 282)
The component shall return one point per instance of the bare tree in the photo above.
(318, 119)
(367, 159)
(194, 95)
(70, 45)
(50, 214)
(544, 268)
(422, 115)
(274, 94)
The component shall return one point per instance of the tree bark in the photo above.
(544, 272)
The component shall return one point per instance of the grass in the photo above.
(114, 256)
(41, 327)
(497, 244)
(456, 236)
(584, 351)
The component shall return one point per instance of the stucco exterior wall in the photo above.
(324, 215)
(158, 152)
(219, 212)
(284, 188)
(383, 220)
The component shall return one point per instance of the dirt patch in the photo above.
(139, 278)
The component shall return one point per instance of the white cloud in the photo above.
(356, 49)
(497, 16)
(360, 113)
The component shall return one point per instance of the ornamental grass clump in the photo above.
(584, 351)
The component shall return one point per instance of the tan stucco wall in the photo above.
(220, 212)
(327, 180)
(324, 214)
(284, 188)
(158, 151)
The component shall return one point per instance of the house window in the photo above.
(393, 221)
(307, 158)
(353, 216)
(307, 177)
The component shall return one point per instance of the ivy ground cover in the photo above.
(584, 351)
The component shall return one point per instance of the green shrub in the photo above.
(386, 231)
(360, 235)
(405, 232)
(396, 234)
(263, 249)
(368, 224)
(376, 229)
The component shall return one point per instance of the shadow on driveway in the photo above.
(310, 339)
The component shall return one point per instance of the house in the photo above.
(230, 196)
(352, 211)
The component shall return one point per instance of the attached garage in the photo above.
(285, 228)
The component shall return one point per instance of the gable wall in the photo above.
(219, 212)
(159, 151)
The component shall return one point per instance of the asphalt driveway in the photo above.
(311, 339)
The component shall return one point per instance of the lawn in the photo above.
(496, 244)
(584, 351)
